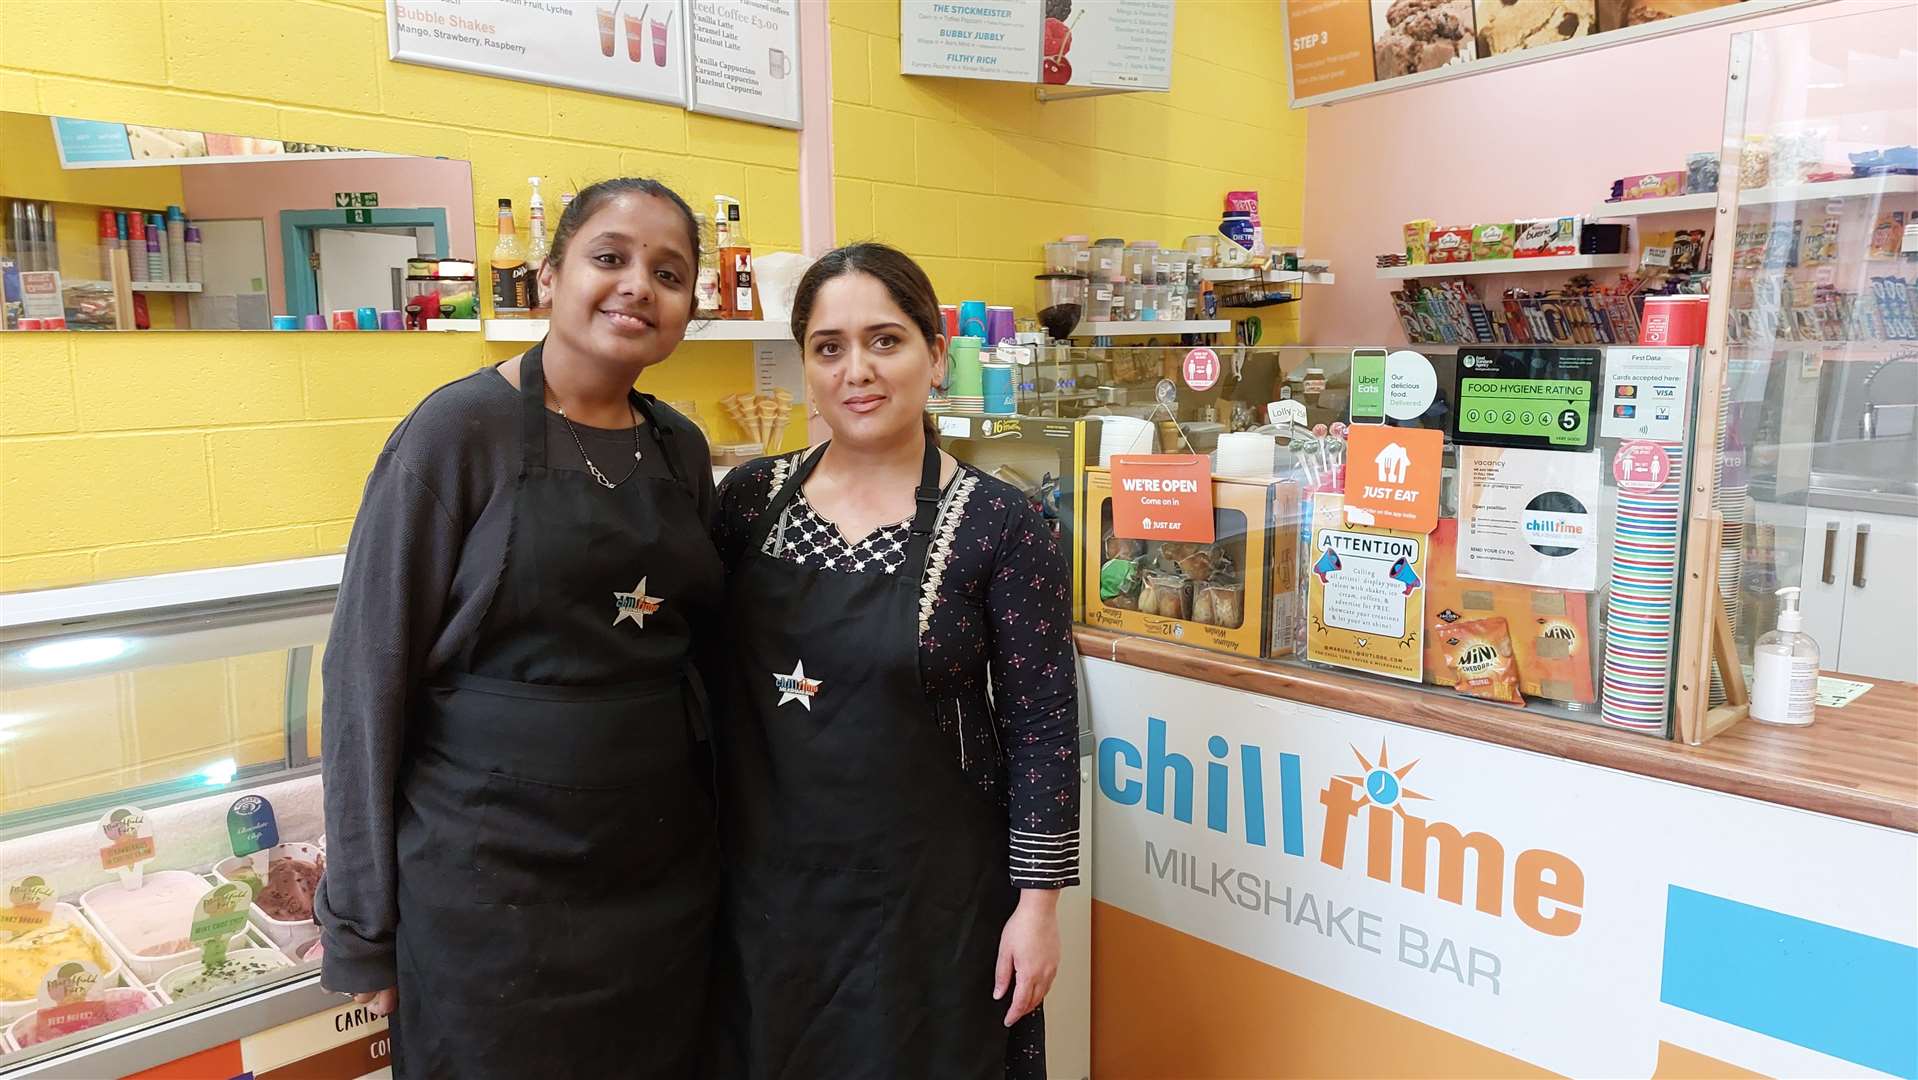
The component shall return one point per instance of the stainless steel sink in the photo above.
(1847, 491)
(1841, 483)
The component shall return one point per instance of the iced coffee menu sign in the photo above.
(626, 48)
(973, 39)
(746, 60)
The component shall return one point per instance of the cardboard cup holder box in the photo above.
(1227, 595)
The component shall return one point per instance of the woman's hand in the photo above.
(1029, 948)
(382, 1001)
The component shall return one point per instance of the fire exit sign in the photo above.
(355, 200)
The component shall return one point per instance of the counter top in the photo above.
(1858, 762)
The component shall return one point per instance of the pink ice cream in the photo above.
(121, 1002)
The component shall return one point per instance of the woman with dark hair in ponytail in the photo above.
(523, 854)
(900, 764)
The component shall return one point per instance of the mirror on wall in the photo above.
(113, 226)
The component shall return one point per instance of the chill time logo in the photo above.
(1365, 813)
(796, 686)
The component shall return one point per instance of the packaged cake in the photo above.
(1417, 235)
(1492, 241)
(1450, 244)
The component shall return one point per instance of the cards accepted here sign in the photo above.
(1162, 497)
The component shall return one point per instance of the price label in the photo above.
(29, 907)
(251, 826)
(67, 999)
(128, 844)
(218, 916)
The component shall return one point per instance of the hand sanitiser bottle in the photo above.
(1785, 667)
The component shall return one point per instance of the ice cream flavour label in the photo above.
(67, 1000)
(218, 916)
(251, 826)
(28, 907)
(128, 844)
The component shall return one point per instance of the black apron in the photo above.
(558, 854)
(868, 876)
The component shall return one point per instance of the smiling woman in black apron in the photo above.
(900, 753)
(521, 837)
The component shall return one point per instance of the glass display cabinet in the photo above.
(1809, 434)
(1547, 577)
(160, 822)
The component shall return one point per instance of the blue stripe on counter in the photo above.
(1835, 991)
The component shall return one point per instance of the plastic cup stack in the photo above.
(1640, 617)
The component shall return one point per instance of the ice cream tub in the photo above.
(150, 927)
(25, 960)
(284, 909)
(122, 1002)
(240, 967)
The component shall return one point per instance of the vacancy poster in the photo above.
(627, 48)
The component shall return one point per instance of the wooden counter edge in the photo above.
(1725, 764)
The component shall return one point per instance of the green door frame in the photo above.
(296, 243)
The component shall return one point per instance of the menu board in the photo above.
(987, 39)
(1112, 43)
(746, 60)
(1343, 48)
(625, 49)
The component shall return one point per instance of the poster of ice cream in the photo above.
(627, 48)
(1410, 36)
(1110, 43)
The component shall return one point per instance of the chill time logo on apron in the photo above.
(796, 687)
(635, 605)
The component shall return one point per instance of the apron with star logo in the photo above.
(557, 840)
(867, 877)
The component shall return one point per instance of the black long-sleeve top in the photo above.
(421, 568)
(996, 655)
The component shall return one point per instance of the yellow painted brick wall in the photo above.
(126, 454)
(972, 177)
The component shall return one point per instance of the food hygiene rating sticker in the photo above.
(796, 687)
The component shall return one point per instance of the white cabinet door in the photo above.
(1826, 581)
(1880, 636)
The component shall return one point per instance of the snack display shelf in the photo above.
(1541, 265)
(1270, 277)
(1151, 329)
(700, 330)
(1671, 204)
(1856, 187)
(167, 286)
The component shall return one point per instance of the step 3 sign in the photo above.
(1162, 497)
